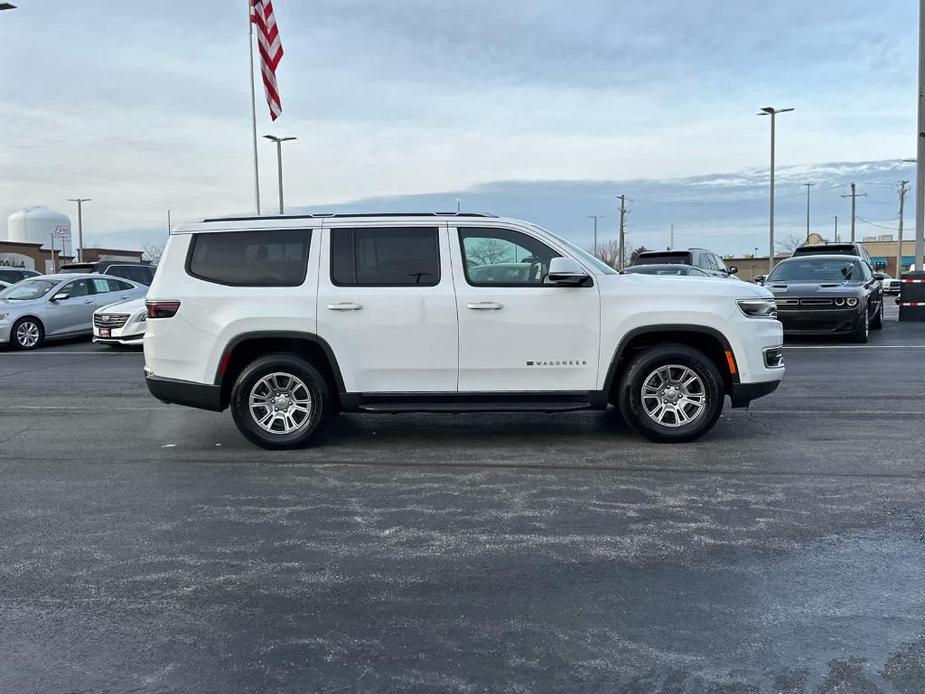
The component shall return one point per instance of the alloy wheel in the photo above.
(280, 403)
(673, 395)
(27, 334)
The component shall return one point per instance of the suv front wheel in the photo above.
(671, 393)
(279, 401)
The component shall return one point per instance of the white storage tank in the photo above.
(37, 225)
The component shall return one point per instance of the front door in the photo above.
(516, 332)
(73, 314)
(387, 309)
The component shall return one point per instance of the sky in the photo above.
(539, 109)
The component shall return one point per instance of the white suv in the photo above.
(287, 320)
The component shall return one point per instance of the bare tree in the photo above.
(489, 251)
(153, 253)
(789, 243)
(608, 252)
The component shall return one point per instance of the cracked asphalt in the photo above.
(149, 548)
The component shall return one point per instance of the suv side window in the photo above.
(503, 258)
(385, 257)
(269, 258)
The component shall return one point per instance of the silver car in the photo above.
(58, 306)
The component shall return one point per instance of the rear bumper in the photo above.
(743, 393)
(200, 395)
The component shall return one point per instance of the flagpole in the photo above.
(250, 42)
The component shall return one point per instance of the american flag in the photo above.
(271, 51)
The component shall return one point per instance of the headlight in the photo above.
(851, 301)
(140, 317)
(758, 308)
(839, 301)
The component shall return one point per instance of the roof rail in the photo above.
(346, 215)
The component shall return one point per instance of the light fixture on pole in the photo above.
(771, 111)
(279, 163)
(807, 186)
(80, 226)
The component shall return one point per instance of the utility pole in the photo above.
(854, 196)
(671, 239)
(595, 217)
(836, 228)
(899, 243)
(622, 229)
(80, 226)
(920, 149)
(808, 186)
(169, 226)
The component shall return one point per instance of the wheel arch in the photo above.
(708, 340)
(244, 348)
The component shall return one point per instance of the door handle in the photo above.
(345, 306)
(485, 306)
(88, 301)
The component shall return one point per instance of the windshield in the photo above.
(28, 289)
(817, 270)
(598, 264)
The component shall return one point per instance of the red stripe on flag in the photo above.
(261, 13)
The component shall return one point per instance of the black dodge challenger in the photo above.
(827, 295)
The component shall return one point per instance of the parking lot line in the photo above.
(854, 346)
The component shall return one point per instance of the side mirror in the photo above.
(733, 270)
(879, 276)
(61, 296)
(759, 279)
(566, 272)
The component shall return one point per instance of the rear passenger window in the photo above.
(386, 257)
(118, 286)
(272, 258)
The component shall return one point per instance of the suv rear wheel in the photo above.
(280, 401)
(671, 393)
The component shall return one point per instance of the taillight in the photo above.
(162, 309)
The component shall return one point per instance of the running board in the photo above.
(488, 402)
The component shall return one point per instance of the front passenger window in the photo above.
(503, 257)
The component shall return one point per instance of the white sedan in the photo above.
(120, 324)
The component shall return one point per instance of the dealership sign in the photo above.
(17, 260)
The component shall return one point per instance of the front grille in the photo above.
(791, 304)
(110, 320)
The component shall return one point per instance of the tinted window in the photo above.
(504, 257)
(117, 286)
(682, 257)
(13, 276)
(818, 270)
(386, 257)
(77, 288)
(273, 258)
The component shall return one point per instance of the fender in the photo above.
(282, 335)
(661, 328)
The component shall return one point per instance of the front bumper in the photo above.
(743, 393)
(203, 396)
(837, 321)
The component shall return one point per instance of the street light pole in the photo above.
(279, 163)
(595, 217)
(771, 111)
(80, 226)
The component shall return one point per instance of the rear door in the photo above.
(516, 333)
(386, 307)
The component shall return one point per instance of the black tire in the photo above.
(640, 370)
(862, 331)
(307, 427)
(20, 341)
(877, 322)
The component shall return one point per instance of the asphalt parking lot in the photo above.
(149, 548)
